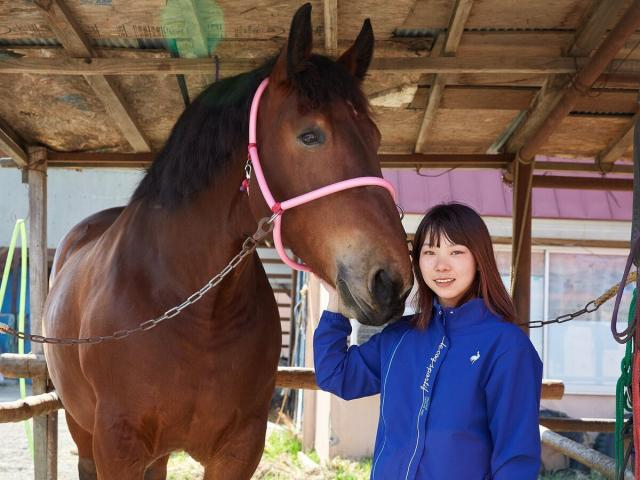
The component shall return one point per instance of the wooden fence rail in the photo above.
(32, 366)
(595, 460)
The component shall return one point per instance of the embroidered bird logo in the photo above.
(474, 358)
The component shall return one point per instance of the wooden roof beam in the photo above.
(589, 35)
(459, 18)
(13, 145)
(494, 65)
(583, 81)
(77, 45)
(331, 26)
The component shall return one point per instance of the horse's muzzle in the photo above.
(381, 303)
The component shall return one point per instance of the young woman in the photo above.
(459, 381)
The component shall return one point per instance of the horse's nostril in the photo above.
(383, 288)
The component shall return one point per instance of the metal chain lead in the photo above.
(590, 307)
(265, 227)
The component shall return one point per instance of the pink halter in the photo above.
(278, 208)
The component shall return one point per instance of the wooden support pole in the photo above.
(45, 432)
(521, 246)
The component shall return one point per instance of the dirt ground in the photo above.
(16, 462)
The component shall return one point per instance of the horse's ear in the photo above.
(298, 47)
(358, 57)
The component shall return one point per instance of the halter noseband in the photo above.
(278, 208)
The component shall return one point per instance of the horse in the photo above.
(201, 382)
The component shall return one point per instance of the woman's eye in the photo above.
(457, 252)
(311, 138)
(427, 252)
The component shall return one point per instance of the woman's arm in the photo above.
(513, 404)
(348, 373)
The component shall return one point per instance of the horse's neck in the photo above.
(199, 238)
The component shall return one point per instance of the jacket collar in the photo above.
(466, 315)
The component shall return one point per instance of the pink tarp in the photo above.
(485, 191)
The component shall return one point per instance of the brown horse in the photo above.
(202, 381)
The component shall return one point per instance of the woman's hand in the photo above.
(334, 297)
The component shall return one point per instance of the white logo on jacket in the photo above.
(474, 358)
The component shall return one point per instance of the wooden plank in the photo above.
(459, 18)
(602, 17)
(446, 65)
(330, 26)
(583, 183)
(69, 33)
(584, 135)
(12, 145)
(618, 146)
(579, 424)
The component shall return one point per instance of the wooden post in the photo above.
(521, 246)
(45, 433)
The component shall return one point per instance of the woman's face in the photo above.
(448, 270)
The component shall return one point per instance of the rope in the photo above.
(623, 395)
(612, 292)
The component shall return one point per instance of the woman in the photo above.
(459, 381)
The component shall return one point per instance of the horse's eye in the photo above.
(311, 138)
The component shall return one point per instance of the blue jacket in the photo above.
(459, 399)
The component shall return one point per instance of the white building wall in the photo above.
(72, 195)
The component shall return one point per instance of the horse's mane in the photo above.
(214, 127)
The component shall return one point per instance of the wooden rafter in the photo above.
(589, 35)
(77, 46)
(13, 145)
(597, 22)
(459, 17)
(617, 147)
(458, 20)
(331, 26)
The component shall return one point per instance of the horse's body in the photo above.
(202, 381)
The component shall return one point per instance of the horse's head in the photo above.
(313, 130)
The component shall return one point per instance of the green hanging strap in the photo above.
(623, 394)
(22, 230)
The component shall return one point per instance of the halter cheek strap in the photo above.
(278, 208)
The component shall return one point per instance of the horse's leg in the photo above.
(239, 458)
(84, 442)
(118, 449)
(158, 469)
